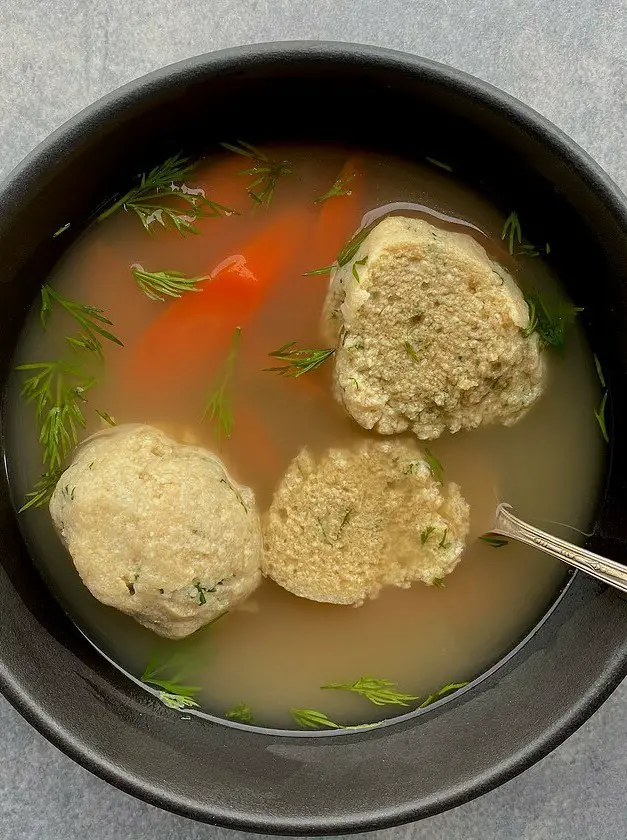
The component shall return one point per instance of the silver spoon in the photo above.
(607, 571)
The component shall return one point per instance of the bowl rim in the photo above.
(45, 155)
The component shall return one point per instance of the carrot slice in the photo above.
(339, 216)
(188, 339)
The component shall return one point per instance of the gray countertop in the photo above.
(567, 59)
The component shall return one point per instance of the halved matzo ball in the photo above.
(344, 525)
(432, 335)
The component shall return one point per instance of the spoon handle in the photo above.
(607, 571)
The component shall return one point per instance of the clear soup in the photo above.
(275, 651)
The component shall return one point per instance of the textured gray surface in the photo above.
(567, 59)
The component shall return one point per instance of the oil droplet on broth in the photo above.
(275, 650)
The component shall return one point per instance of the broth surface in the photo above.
(276, 650)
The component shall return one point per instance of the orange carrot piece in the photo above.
(339, 217)
(190, 337)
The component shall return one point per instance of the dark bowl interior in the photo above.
(576, 656)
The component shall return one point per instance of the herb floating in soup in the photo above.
(271, 439)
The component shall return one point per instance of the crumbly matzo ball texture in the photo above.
(432, 336)
(158, 529)
(346, 524)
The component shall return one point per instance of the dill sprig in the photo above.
(347, 254)
(599, 370)
(58, 389)
(381, 692)
(42, 491)
(349, 251)
(550, 324)
(426, 533)
(340, 187)
(173, 692)
(241, 713)
(298, 360)
(512, 230)
(513, 233)
(362, 261)
(219, 406)
(177, 701)
(106, 417)
(161, 197)
(411, 351)
(495, 542)
(326, 269)
(437, 471)
(90, 319)
(599, 413)
(61, 230)
(159, 285)
(442, 692)
(266, 172)
(439, 164)
(312, 719)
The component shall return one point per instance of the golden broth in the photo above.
(276, 650)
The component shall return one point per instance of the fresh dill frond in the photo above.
(159, 285)
(437, 471)
(298, 360)
(599, 413)
(349, 251)
(106, 417)
(599, 370)
(381, 692)
(60, 230)
(265, 172)
(89, 318)
(202, 600)
(58, 389)
(528, 250)
(161, 197)
(411, 351)
(173, 692)
(550, 324)
(362, 261)
(219, 406)
(340, 187)
(345, 518)
(442, 692)
(326, 269)
(311, 719)
(443, 543)
(42, 491)
(439, 164)
(241, 713)
(439, 582)
(513, 232)
(347, 254)
(495, 542)
(426, 533)
(177, 701)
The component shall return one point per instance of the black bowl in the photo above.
(556, 677)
